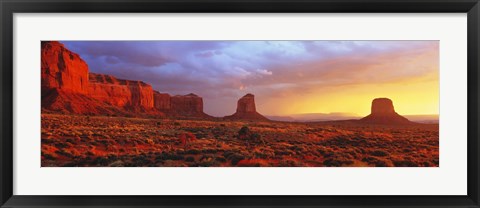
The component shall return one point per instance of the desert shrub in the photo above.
(112, 156)
(290, 163)
(256, 137)
(338, 160)
(192, 151)
(379, 153)
(117, 163)
(71, 164)
(180, 152)
(121, 142)
(406, 150)
(243, 133)
(47, 156)
(254, 163)
(332, 163)
(209, 151)
(141, 160)
(190, 159)
(207, 163)
(405, 163)
(47, 141)
(381, 163)
(174, 157)
(377, 162)
(104, 142)
(201, 135)
(172, 163)
(207, 157)
(282, 152)
(140, 142)
(186, 139)
(167, 156)
(353, 153)
(60, 145)
(260, 155)
(369, 159)
(245, 163)
(235, 158)
(150, 142)
(101, 161)
(192, 129)
(221, 159)
(328, 153)
(426, 164)
(246, 134)
(228, 153)
(298, 149)
(64, 153)
(321, 150)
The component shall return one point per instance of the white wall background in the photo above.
(449, 179)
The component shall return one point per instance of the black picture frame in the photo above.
(10, 7)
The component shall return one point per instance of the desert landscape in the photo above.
(98, 120)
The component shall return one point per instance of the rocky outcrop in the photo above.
(246, 109)
(383, 112)
(62, 69)
(121, 93)
(59, 101)
(190, 105)
(68, 87)
(162, 101)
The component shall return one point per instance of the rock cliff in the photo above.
(190, 105)
(68, 87)
(162, 101)
(121, 93)
(62, 69)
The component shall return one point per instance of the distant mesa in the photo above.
(189, 105)
(383, 112)
(162, 101)
(246, 109)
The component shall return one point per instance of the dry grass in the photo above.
(69, 140)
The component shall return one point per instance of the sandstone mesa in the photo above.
(68, 87)
(383, 112)
(246, 109)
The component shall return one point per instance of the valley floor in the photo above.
(74, 140)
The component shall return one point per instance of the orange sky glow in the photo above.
(359, 84)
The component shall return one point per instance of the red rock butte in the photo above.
(189, 105)
(63, 69)
(68, 87)
(383, 112)
(246, 109)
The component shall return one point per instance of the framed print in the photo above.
(239, 104)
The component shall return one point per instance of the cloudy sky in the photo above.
(286, 77)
